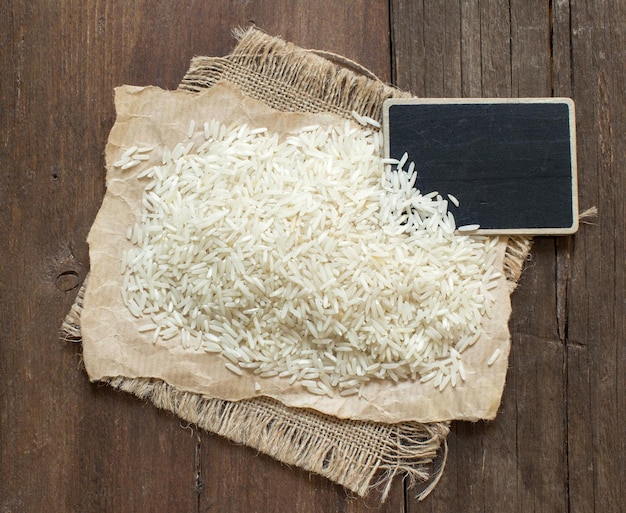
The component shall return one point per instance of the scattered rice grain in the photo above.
(468, 228)
(494, 356)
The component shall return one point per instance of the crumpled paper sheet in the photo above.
(113, 346)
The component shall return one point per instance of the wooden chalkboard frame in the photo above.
(554, 230)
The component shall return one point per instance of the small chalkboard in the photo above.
(511, 163)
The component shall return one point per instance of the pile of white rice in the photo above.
(306, 257)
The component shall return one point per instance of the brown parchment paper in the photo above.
(113, 346)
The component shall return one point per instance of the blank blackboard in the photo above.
(510, 163)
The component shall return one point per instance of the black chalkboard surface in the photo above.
(511, 163)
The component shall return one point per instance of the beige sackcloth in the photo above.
(357, 442)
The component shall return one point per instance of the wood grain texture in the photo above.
(596, 290)
(66, 445)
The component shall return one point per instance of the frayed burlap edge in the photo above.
(358, 455)
(289, 78)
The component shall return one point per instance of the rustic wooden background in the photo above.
(558, 444)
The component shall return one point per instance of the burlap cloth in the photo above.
(359, 455)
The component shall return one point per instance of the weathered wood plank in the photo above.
(495, 48)
(471, 50)
(539, 389)
(530, 48)
(66, 445)
(596, 291)
(578, 428)
(427, 47)
(540, 367)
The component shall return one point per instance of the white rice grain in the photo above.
(468, 228)
(494, 356)
(130, 164)
(129, 152)
(122, 162)
(233, 368)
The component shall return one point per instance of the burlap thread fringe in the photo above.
(356, 454)
(290, 79)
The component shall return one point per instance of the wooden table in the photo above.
(558, 443)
